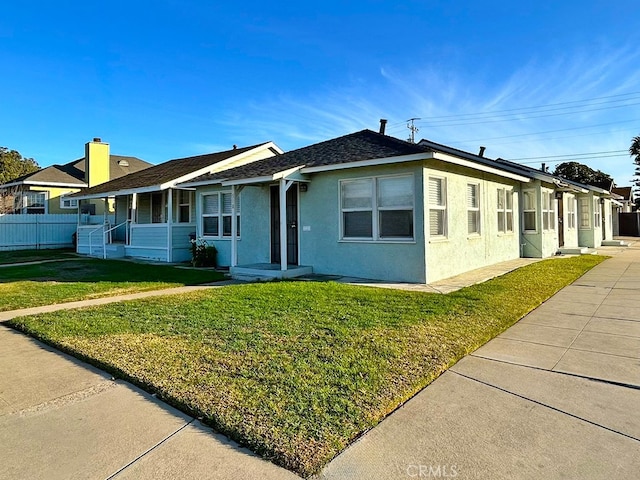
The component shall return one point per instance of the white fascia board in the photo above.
(479, 166)
(44, 184)
(265, 178)
(368, 163)
(118, 193)
(191, 185)
(218, 166)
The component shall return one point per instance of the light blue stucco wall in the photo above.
(541, 243)
(319, 231)
(458, 251)
(254, 241)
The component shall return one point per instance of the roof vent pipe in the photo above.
(481, 152)
(544, 167)
(97, 139)
(383, 125)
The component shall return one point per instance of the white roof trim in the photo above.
(263, 179)
(44, 184)
(214, 167)
(368, 163)
(479, 166)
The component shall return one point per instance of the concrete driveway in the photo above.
(555, 396)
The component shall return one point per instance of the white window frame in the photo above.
(221, 215)
(585, 213)
(597, 213)
(439, 207)
(180, 205)
(548, 211)
(534, 210)
(25, 204)
(73, 202)
(473, 210)
(571, 213)
(506, 211)
(376, 209)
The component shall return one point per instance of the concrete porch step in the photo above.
(614, 243)
(574, 250)
(268, 271)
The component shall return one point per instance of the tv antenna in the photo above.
(411, 126)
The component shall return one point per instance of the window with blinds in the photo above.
(505, 210)
(473, 208)
(529, 210)
(377, 208)
(217, 214)
(437, 207)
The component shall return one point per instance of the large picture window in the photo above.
(217, 214)
(377, 208)
(529, 209)
(505, 210)
(437, 207)
(473, 208)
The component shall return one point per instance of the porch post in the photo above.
(105, 224)
(170, 225)
(283, 224)
(134, 208)
(234, 228)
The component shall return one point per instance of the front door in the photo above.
(561, 221)
(292, 224)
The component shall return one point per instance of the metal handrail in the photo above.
(104, 247)
(126, 232)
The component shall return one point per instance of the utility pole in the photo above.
(411, 126)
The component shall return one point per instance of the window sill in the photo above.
(364, 240)
(438, 239)
(207, 237)
(474, 236)
(530, 232)
(505, 234)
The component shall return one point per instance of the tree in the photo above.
(580, 173)
(14, 165)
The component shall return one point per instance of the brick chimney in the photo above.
(96, 162)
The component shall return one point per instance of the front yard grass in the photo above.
(56, 282)
(298, 370)
(20, 256)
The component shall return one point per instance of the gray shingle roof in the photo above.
(72, 173)
(363, 145)
(164, 172)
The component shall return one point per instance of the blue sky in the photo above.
(167, 79)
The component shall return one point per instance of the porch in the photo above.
(155, 241)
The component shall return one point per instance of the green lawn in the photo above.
(20, 256)
(298, 370)
(57, 282)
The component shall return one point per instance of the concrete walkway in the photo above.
(555, 396)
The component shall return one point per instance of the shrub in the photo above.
(203, 254)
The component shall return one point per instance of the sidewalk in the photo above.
(555, 396)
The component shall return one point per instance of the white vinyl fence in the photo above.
(32, 232)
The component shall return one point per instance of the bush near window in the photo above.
(203, 254)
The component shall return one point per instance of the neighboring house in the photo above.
(153, 216)
(47, 190)
(626, 198)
